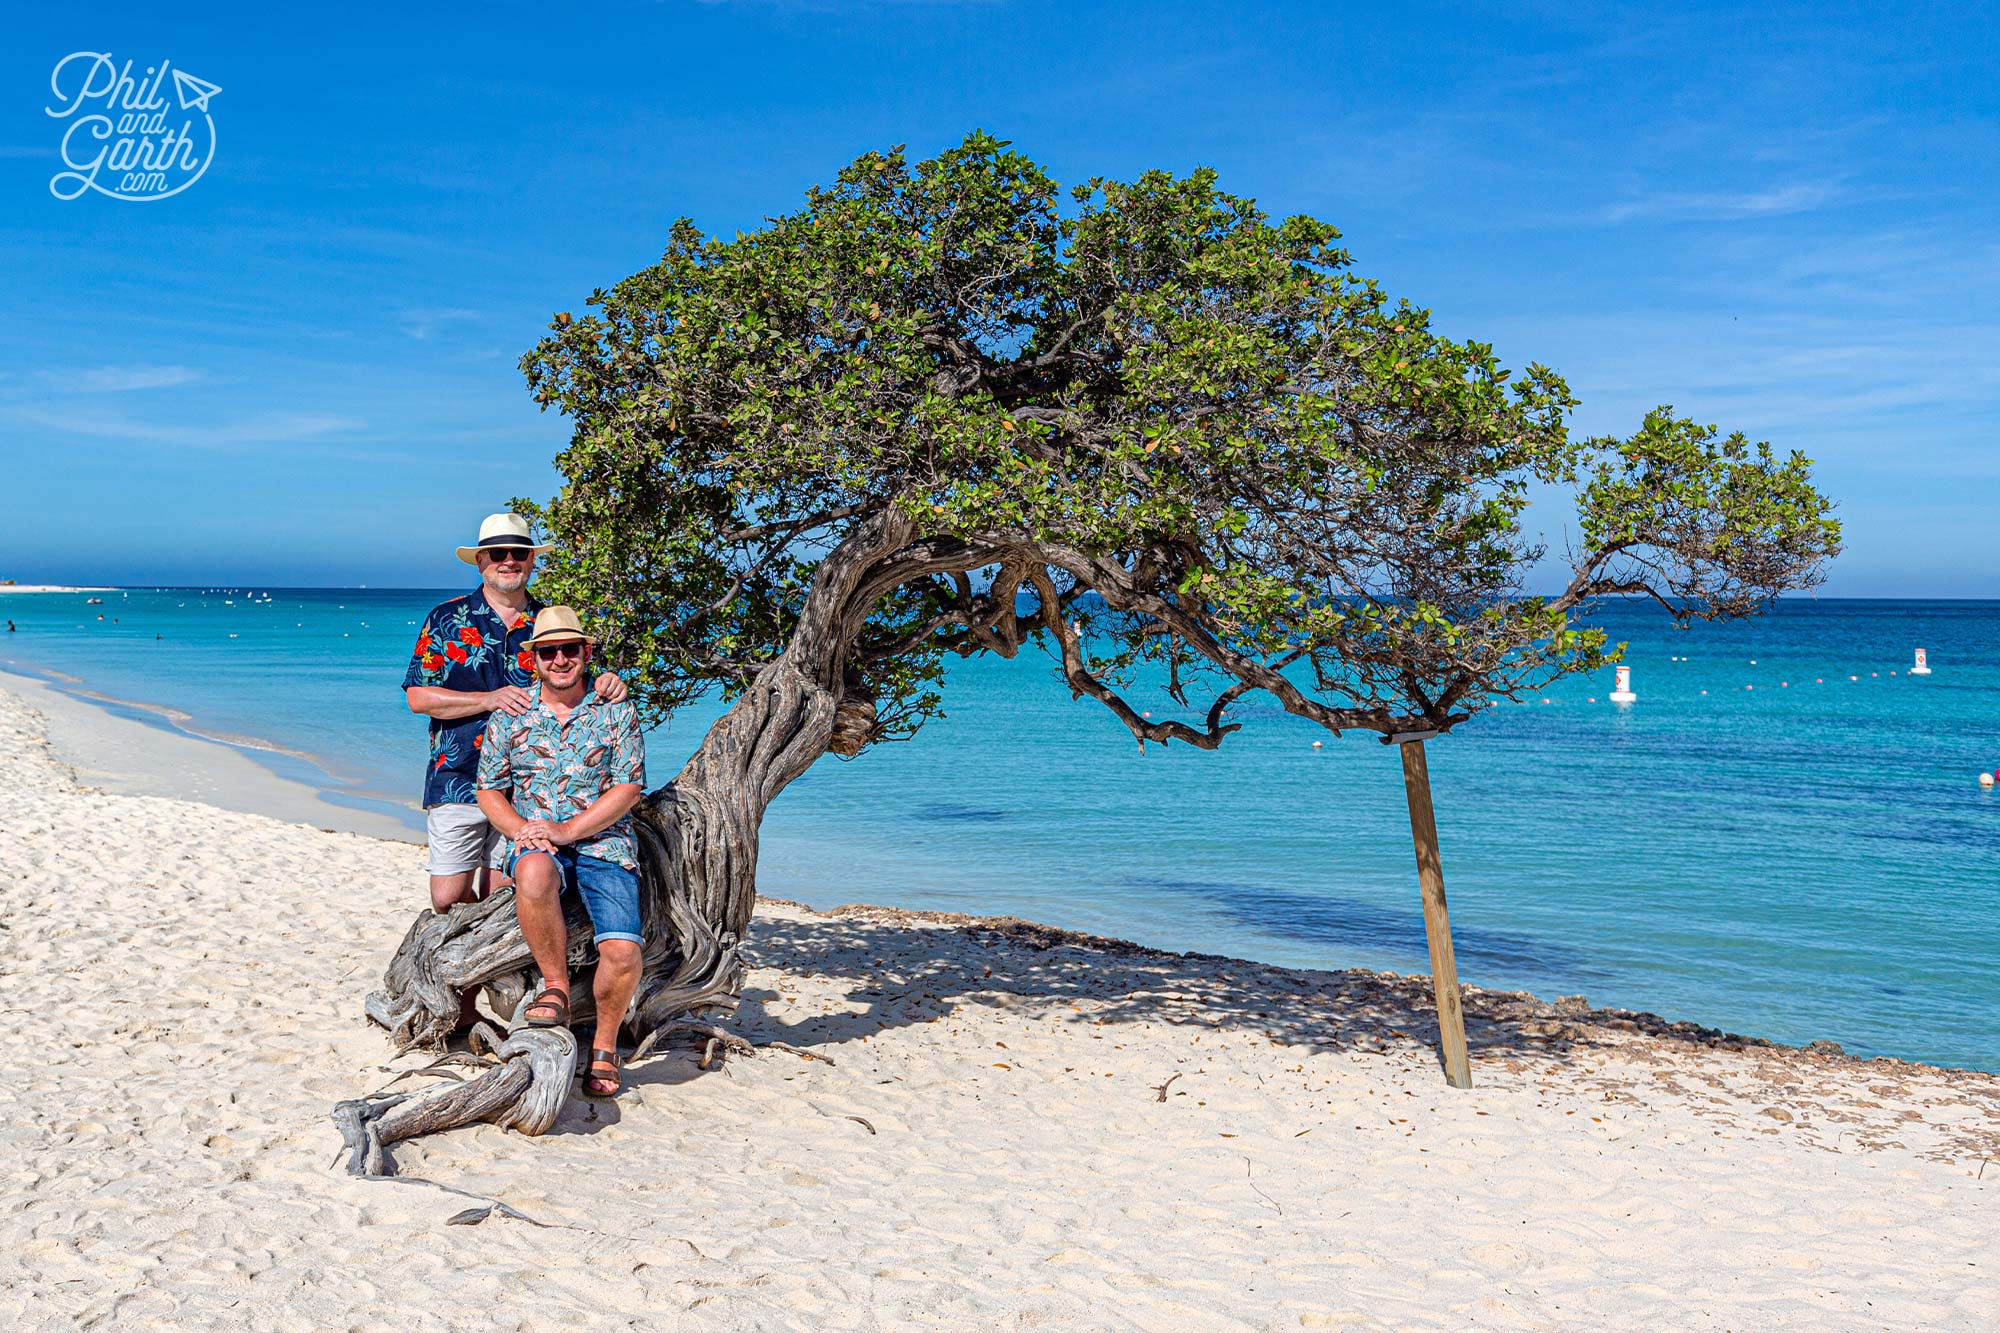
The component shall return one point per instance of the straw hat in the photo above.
(557, 624)
(509, 530)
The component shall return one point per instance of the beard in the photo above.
(500, 581)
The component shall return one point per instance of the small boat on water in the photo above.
(93, 601)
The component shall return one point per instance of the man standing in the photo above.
(559, 780)
(471, 660)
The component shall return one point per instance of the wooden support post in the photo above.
(1437, 922)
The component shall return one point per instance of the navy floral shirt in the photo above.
(465, 645)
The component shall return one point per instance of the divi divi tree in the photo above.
(950, 407)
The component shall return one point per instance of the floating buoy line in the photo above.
(1622, 692)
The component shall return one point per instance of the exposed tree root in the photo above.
(719, 1038)
(523, 1089)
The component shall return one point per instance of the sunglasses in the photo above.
(499, 554)
(549, 652)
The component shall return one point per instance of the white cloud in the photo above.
(423, 323)
(119, 379)
(264, 428)
(1672, 206)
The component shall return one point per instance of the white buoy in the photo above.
(1623, 694)
(1317, 744)
(1985, 779)
(1923, 666)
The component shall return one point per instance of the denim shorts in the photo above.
(609, 891)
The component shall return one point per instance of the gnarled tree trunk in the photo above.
(697, 870)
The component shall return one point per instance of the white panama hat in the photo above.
(510, 530)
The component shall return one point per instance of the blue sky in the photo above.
(302, 369)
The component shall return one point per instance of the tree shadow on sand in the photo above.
(917, 971)
(884, 968)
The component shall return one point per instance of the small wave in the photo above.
(185, 722)
(947, 812)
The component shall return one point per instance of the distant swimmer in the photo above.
(10, 627)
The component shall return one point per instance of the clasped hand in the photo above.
(540, 835)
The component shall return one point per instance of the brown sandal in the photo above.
(616, 1078)
(558, 1008)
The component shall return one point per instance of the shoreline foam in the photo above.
(128, 746)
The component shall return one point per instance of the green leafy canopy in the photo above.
(1129, 422)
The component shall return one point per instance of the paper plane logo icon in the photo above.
(194, 93)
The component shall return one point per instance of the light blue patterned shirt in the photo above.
(556, 769)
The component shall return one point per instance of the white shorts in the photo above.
(462, 840)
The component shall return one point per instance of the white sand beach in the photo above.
(1019, 1128)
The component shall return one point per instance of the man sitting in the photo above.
(559, 781)
(470, 661)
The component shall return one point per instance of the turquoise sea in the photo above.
(1809, 858)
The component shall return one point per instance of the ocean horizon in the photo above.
(1784, 836)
